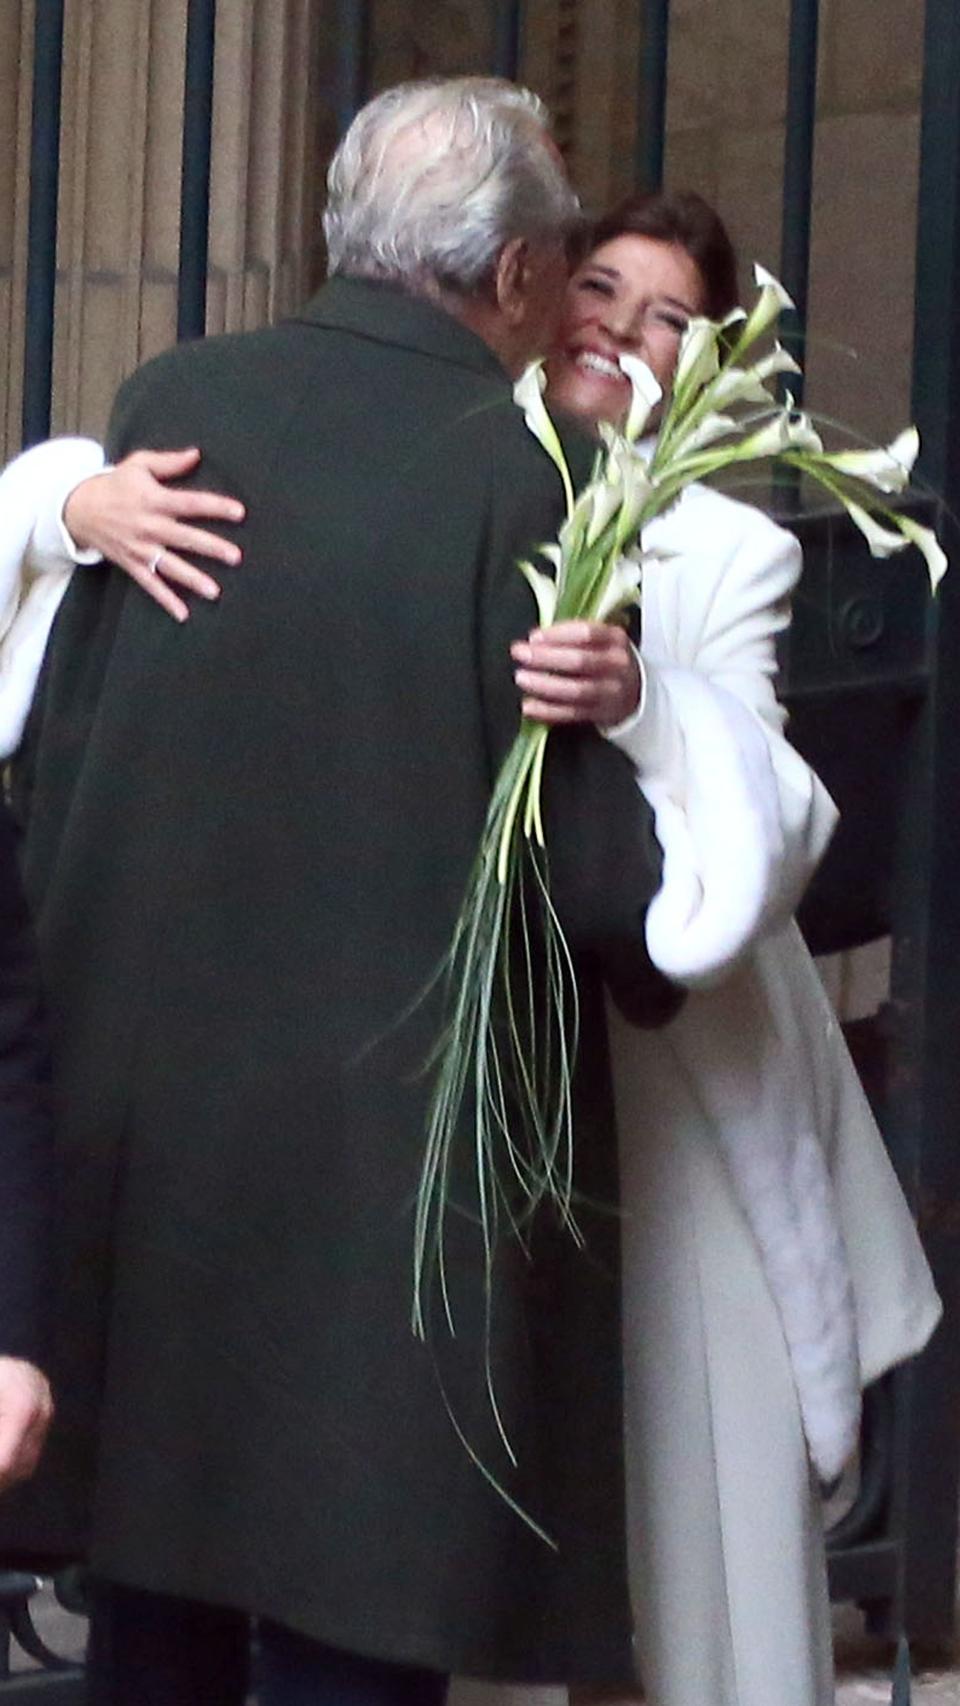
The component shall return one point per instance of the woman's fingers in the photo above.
(175, 535)
(577, 672)
(578, 689)
(575, 648)
(170, 567)
(552, 700)
(165, 464)
(198, 506)
(155, 587)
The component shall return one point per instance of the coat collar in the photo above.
(387, 314)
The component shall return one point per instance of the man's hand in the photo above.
(577, 672)
(26, 1410)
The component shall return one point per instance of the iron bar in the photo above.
(936, 348)
(195, 170)
(507, 38)
(927, 979)
(798, 173)
(42, 223)
(652, 115)
(353, 60)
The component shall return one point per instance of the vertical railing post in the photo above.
(928, 991)
(352, 61)
(195, 169)
(798, 174)
(652, 98)
(507, 38)
(42, 224)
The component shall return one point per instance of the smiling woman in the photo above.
(654, 265)
(759, 1199)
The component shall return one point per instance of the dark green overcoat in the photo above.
(248, 839)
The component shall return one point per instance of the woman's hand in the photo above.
(577, 672)
(132, 518)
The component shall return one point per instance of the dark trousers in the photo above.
(147, 1649)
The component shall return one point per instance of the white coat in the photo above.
(770, 1261)
(771, 1265)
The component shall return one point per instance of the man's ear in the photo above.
(512, 280)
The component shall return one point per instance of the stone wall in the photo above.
(119, 185)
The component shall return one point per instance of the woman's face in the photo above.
(632, 296)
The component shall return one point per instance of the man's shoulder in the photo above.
(516, 453)
(194, 363)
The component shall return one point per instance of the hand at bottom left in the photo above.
(26, 1411)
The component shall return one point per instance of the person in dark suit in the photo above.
(248, 840)
(25, 1179)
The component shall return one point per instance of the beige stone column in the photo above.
(119, 204)
(585, 63)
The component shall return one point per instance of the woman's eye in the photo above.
(601, 286)
(676, 323)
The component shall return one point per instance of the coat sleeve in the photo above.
(25, 1125)
(605, 860)
(37, 558)
(743, 818)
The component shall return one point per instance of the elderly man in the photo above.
(248, 841)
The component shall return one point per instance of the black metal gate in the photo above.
(872, 675)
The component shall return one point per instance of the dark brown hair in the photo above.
(683, 218)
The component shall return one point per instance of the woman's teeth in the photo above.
(599, 364)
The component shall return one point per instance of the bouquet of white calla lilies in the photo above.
(507, 1023)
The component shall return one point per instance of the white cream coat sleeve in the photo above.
(742, 818)
(37, 558)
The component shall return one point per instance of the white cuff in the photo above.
(647, 735)
(51, 544)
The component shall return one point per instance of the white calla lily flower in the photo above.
(883, 541)
(886, 541)
(767, 281)
(698, 361)
(623, 586)
(528, 395)
(544, 589)
(747, 384)
(635, 486)
(647, 392)
(574, 530)
(929, 547)
(779, 360)
(707, 431)
(606, 498)
(888, 469)
(786, 431)
(739, 385)
(771, 302)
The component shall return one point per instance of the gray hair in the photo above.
(433, 178)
